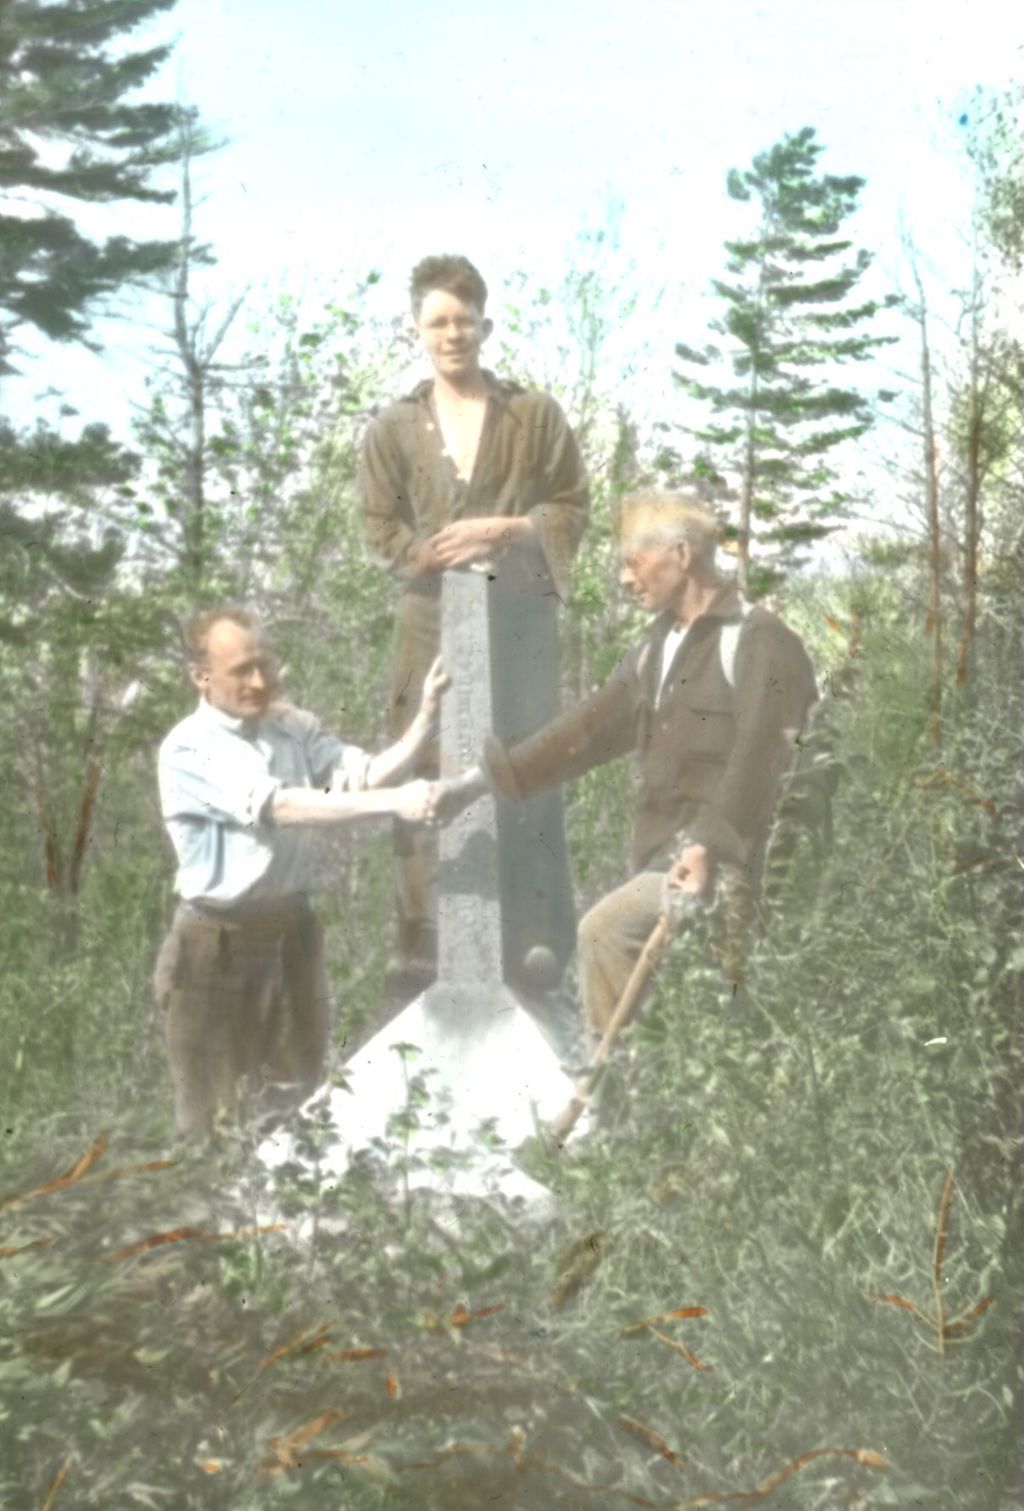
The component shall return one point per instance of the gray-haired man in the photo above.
(710, 701)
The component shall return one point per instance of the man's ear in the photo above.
(486, 326)
(199, 676)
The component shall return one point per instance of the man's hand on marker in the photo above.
(468, 540)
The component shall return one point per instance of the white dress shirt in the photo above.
(218, 775)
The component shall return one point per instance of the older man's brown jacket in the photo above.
(712, 748)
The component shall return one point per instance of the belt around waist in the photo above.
(258, 913)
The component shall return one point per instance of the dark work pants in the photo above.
(613, 933)
(242, 999)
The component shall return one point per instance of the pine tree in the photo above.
(74, 631)
(67, 134)
(791, 322)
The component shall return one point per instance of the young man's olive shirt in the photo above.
(528, 465)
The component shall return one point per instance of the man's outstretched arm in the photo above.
(599, 729)
(413, 801)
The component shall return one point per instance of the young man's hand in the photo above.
(466, 540)
(416, 802)
(423, 561)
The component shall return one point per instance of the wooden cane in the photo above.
(641, 973)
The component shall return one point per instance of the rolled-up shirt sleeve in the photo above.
(332, 762)
(352, 772)
(195, 786)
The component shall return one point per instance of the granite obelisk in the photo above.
(481, 1055)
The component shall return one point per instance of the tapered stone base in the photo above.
(451, 1086)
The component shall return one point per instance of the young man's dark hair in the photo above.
(455, 274)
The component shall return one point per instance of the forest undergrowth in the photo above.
(784, 1263)
(783, 1267)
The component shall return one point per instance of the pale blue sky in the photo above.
(359, 129)
(362, 134)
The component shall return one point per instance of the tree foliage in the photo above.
(69, 132)
(72, 138)
(792, 318)
(993, 133)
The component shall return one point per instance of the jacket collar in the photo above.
(726, 604)
(499, 389)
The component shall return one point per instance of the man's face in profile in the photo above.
(452, 332)
(653, 572)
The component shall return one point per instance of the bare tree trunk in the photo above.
(64, 864)
(972, 500)
(87, 801)
(934, 625)
(977, 403)
(51, 847)
(746, 500)
(194, 378)
(196, 349)
(744, 541)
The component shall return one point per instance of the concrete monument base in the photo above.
(451, 1087)
(463, 1075)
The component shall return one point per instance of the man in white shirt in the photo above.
(240, 981)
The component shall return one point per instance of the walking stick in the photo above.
(641, 973)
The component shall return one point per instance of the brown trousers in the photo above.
(242, 998)
(612, 935)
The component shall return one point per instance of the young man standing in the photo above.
(468, 469)
(240, 981)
